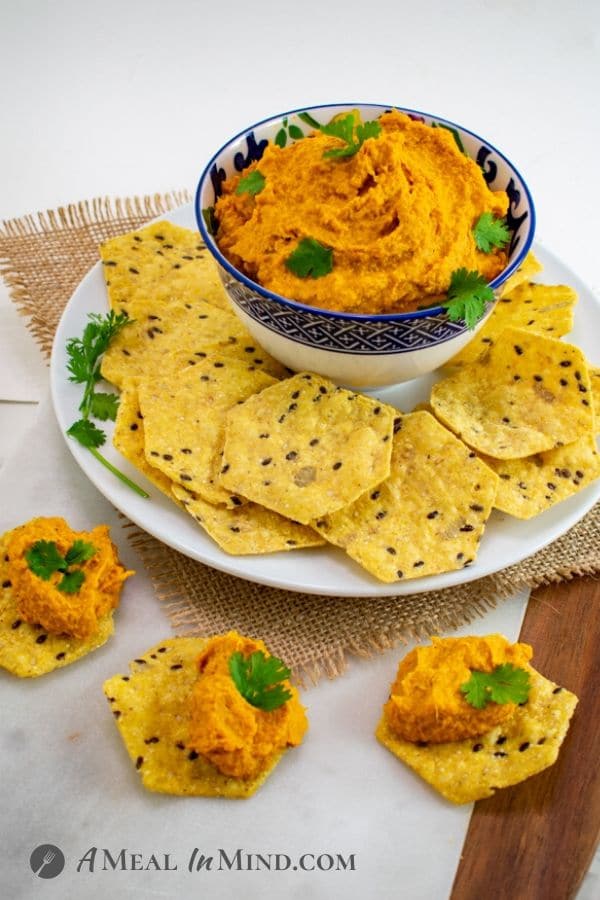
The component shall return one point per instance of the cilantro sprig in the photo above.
(259, 679)
(468, 295)
(350, 133)
(490, 232)
(506, 684)
(84, 359)
(310, 259)
(44, 559)
(251, 184)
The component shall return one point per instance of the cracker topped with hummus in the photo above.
(59, 590)
(206, 717)
(395, 206)
(471, 715)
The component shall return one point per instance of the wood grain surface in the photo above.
(535, 841)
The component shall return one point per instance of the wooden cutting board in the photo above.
(535, 841)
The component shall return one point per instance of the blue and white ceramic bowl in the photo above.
(357, 350)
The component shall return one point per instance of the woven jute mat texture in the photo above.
(42, 259)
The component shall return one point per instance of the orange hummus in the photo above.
(398, 216)
(41, 602)
(426, 703)
(238, 738)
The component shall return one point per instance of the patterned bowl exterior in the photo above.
(360, 335)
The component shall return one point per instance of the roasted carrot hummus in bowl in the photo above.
(364, 242)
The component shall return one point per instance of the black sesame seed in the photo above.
(291, 455)
(500, 753)
(167, 457)
(133, 427)
(249, 349)
(313, 442)
(291, 543)
(7, 583)
(265, 434)
(418, 564)
(185, 477)
(323, 389)
(234, 528)
(266, 460)
(292, 407)
(375, 495)
(41, 639)
(399, 573)
(537, 378)
(467, 528)
(433, 514)
(579, 473)
(337, 465)
(557, 690)
(564, 382)
(518, 350)
(192, 755)
(391, 551)
(17, 624)
(151, 740)
(523, 746)
(542, 740)
(397, 425)
(295, 395)
(460, 555)
(116, 713)
(501, 739)
(565, 363)
(477, 748)
(154, 453)
(139, 762)
(516, 377)
(176, 666)
(133, 271)
(180, 745)
(377, 410)
(236, 501)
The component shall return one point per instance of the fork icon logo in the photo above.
(47, 861)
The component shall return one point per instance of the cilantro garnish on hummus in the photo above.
(352, 134)
(251, 184)
(310, 259)
(505, 684)
(258, 679)
(490, 232)
(468, 296)
(44, 559)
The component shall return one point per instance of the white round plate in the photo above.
(324, 570)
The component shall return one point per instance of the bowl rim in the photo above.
(428, 312)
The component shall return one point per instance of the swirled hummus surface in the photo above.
(398, 216)
(426, 703)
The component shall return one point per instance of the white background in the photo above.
(123, 98)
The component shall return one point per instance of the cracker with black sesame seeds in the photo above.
(184, 421)
(305, 447)
(533, 484)
(528, 743)
(163, 261)
(29, 651)
(542, 308)
(128, 439)
(529, 267)
(247, 352)
(527, 394)
(248, 529)
(151, 710)
(158, 329)
(428, 516)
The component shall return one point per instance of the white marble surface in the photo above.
(131, 98)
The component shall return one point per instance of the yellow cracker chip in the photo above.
(429, 514)
(529, 267)
(305, 447)
(151, 709)
(156, 330)
(465, 771)
(184, 421)
(128, 438)
(251, 354)
(527, 394)
(163, 261)
(533, 484)
(29, 650)
(249, 529)
(594, 372)
(543, 308)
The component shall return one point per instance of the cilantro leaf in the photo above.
(86, 433)
(310, 258)
(71, 582)
(258, 679)
(309, 120)
(344, 129)
(296, 132)
(506, 684)
(251, 184)
(468, 295)
(104, 406)
(44, 559)
(490, 232)
(210, 220)
(79, 552)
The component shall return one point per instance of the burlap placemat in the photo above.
(42, 259)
